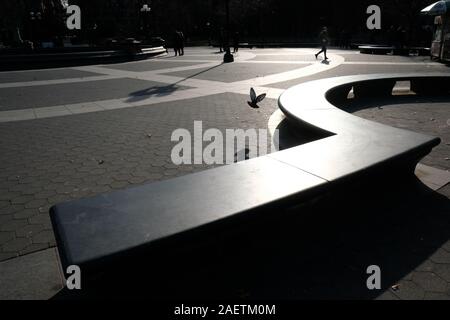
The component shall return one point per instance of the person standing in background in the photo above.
(181, 42)
(176, 43)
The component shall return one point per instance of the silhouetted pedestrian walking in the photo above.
(324, 41)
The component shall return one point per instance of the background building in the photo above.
(200, 20)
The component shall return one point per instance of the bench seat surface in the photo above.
(93, 228)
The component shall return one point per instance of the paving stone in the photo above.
(119, 185)
(65, 190)
(78, 195)
(155, 177)
(35, 276)
(59, 179)
(6, 236)
(5, 218)
(44, 209)
(30, 230)
(101, 189)
(25, 214)
(443, 271)
(22, 199)
(436, 296)
(44, 237)
(408, 290)
(32, 248)
(139, 174)
(429, 282)
(11, 209)
(8, 196)
(35, 204)
(170, 172)
(16, 245)
(122, 177)
(52, 186)
(7, 255)
(40, 219)
(446, 246)
(426, 266)
(30, 191)
(104, 181)
(137, 180)
(58, 199)
(13, 225)
(441, 256)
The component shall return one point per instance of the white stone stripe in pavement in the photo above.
(315, 68)
(279, 62)
(17, 115)
(105, 105)
(219, 62)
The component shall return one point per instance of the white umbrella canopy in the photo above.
(437, 8)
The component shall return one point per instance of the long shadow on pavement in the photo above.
(161, 91)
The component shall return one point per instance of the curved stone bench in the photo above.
(100, 232)
(357, 144)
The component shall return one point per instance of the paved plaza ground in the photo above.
(70, 133)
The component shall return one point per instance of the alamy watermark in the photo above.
(374, 280)
(73, 281)
(74, 20)
(235, 146)
(374, 21)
